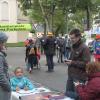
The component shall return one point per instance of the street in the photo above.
(55, 80)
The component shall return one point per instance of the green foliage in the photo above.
(54, 12)
(32, 31)
(84, 38)
(19, 44)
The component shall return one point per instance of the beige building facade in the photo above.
(11, 14)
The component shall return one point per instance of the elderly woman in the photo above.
(5, 89)
(90, 91)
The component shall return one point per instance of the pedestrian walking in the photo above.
(50, 46)
(5, 89)
(32, 59)
(60, 43)
(80, 56)
(67, 47)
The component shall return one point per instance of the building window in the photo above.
(4, 11)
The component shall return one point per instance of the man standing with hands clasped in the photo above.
(79, 57)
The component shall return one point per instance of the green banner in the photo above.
(15, 27)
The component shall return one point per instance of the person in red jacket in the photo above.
(96, 47)
(91, 90)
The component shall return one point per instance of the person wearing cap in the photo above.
(50, 43)
(96, 47)
(5, 88)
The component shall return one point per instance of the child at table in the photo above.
(19, 81)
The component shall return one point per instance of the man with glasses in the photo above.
(79, 57)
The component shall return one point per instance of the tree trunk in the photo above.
(45, 29)
(45, 17)
(88, 17)
(66, 22)
(51, 23)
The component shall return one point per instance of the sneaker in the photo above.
(30, 70)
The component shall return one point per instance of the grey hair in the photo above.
(3, 37)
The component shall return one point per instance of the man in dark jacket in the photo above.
(80, 56)
(49, 44)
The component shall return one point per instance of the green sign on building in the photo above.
(15, 27)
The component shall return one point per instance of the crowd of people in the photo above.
(83, 81)
(76, 55)
(50, 46)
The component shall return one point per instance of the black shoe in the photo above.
(62, 62)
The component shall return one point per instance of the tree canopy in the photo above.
(59, 16)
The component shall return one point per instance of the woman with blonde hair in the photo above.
(32, 51)
(32, 59)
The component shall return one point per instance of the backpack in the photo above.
(97, 47)
(61, 42)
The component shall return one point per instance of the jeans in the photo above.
(50, 62)
(67, 54)
(70, 85)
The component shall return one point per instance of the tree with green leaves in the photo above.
(59, 16)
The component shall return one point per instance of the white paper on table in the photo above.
(41, 90)
(26, 92)
(22, 93)
(29, 92)
(67, 98)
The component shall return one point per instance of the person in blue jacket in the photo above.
(19, 81)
